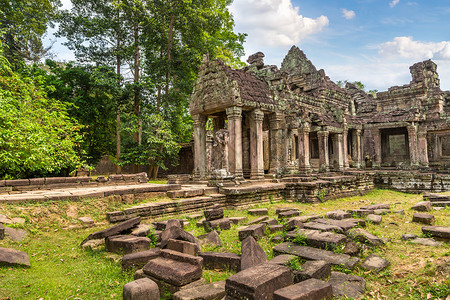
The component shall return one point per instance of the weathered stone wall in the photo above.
(412, 182)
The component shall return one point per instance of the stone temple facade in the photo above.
(261, 120)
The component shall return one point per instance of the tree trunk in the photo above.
(169, 50)
(118, 141)
(137, 135)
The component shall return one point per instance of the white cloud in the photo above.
(348, 14)
(406, 47)
(394, 3)
(273, 23)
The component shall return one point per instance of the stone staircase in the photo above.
(437, 200)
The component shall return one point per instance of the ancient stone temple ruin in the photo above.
(294, 120)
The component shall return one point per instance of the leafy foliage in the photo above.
(38, 137)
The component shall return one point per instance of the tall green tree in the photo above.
(37, 136)
(24, 23)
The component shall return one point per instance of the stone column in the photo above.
(340, 151)
(422, 148)
(199, 146)
(412, 139)
(345, 148)
(276, 143)
(324, 160)
(357, 153)
(234, 115)
(256, 145)
(377, 147)
(304, 166)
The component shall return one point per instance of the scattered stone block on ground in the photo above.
(338, 215)
(277, 239)
(221, 261)
(323, 227)
(238, 220)
(194, 216)
(175, 268)
(212, 291)
(311, 289)
(440, 232)
(282, 260)
(363, 236)
(381, 211)
(258, 220)
(288, 214)
(349, 286)
(115, 230)
(422, 206)
(319, 239)
(375, 219)
(5, 220)
(177, 233)
(257, 231)
(317, 269)
(423, 218)
(310, 253)
(141, 289)
(213, 214)
(427, 242)
(400, 212)
(139, 259)
(93, 244)
(283, 209)
(258, 283)
(270, 222)
(15, 234)
(211, 238)
(14, 257)
(18, 221)
(219, 224)
(377, 206)
(407, 237)
(344, 224)
(87, 221)
(251, 253)
(351, 248)
(2, 232)
(125, 244)
(276, 228)
(258, 212)
(183, 247)
(375, 263)
(141, 230)
(360, 212)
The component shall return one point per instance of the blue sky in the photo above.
(372, 41)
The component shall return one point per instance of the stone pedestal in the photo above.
(199, 146)
(304, 166)
(234, 115)
(256, 145)
(324, 160)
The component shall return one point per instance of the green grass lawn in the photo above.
(60, 269)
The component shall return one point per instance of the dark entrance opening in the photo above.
(394, 146)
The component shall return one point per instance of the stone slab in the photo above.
(348, 286)
(375, 263)
(338, 215)
(311, 289)
(251, 253)
(15, 234)
(282, 260)
(440, 232)
(139, 259)
(319, 239)
(374, 219)
(288, 214)
(213, 214)
(258, 220)
(318, 269)
(14, 257)
(258, 212)
(377, 206)
(2, 232)
(125, 244)
(323, 227)
(211, 238)
(221, 261)
(423, 218)
(141, 289)
(257, 231)
(258, 283)
(218, 224)
(183, 247)
(310, 253)
(212, 291)
(422, 206)
(115, 230)
(363, 236)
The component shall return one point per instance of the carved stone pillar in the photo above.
(377, 147)
(234, 115)
(276, 143)
(356, 148)
(304, 166)
(412, 138)
(199, 146)
(345, 148)
(340, 151)
(256, 145)
(324, 160)
(422, 148)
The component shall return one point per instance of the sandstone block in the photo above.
(364, 236)
(115, 230)
(323, 227)
(212, 291)
(311, 289)
(258, 212)
(141, 289)
(219, 224)
(258, 283)
(211, 238)
(423, 218)
(258, 220)
(183, 247)
(318, 269)
(422, 206)
(237, 220)
(319, 239)
(348, 286)
(338, 215)
(288, 214)
(251, 253)
(375, 219)
(439, 232)
(375, 263)
(221, 261)
(256, 231)
(125, 244)
(2, 232)
(14, 257)
(139, 259)
(276, 228)
(282, 260)
(213, 214)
